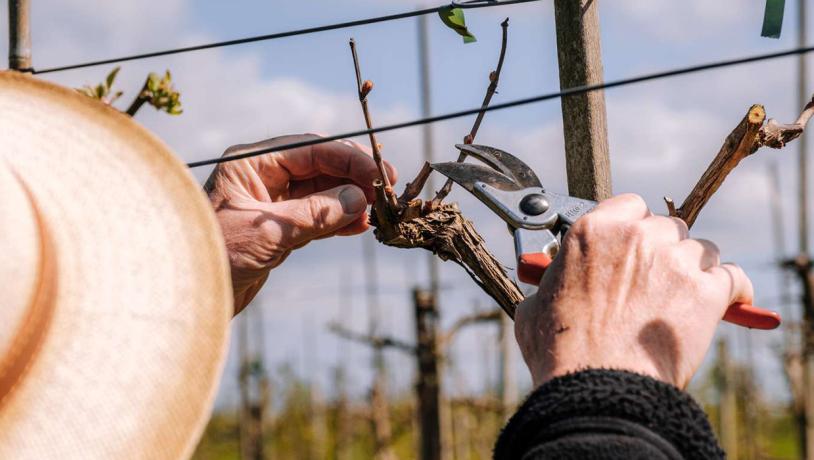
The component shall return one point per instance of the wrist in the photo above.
(568, 355)
(244, 293)
(565, 369)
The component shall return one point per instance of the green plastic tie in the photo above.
(773, 18)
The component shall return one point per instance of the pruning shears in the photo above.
(539, 219)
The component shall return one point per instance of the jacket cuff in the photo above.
(664, 410)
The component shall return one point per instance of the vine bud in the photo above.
(367, 86)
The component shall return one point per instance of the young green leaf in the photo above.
(454, 19)
(773, 18)
(87, 91)
(103, 91)
(152, 82)
(111, 77)
(160, 93)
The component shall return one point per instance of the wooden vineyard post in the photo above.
(584, 119)
(19, 35)
(428, 388)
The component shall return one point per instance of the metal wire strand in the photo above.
(514, 103)
(290, 33)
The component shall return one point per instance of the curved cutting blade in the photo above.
(508, 164)
(467, 174)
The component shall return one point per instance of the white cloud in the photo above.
(686, 20)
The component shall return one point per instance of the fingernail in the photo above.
(353, 200)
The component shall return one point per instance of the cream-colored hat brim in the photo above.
(129, 362)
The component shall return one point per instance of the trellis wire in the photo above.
(290, 33)
(514, 103)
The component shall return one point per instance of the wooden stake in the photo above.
(252, 381)
(426, 131)
(728, 411)
(440, 448)
(584, 120)
(428, 387)
(792, 352)
(341, 423)
(792, 355)
(802, 167)
(508, 384)
(380, 409)
(19, 35)
(803, 266)
(243, 382)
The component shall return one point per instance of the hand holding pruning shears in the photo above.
(539, 219)
(623, 288)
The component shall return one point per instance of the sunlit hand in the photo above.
(271, 204)
(628, 291)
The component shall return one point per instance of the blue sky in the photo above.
(662, 134)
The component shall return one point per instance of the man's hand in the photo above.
(628, 291)
(271, 204)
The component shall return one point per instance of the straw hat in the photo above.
(115, 296)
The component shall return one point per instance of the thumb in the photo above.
(302, 220)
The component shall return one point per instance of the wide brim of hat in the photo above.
(135, 344)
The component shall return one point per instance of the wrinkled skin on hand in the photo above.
(628, 291)
(269, 205)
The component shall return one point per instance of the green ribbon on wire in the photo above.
(773, 18)
(454, 19)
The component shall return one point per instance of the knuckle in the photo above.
(581, 232)
(586, 224)
(737, 272)
(694, 249)
(709, 246)
(681, 224)
(316, 212)
(580, 227)
(632, 198)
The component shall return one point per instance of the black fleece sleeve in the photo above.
(608, 414)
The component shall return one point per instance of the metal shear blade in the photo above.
(504, 162)
(501, 194)
(468, 174)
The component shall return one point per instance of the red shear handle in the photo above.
(530, 269)
(751, 316)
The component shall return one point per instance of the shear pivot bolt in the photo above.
(534, 204)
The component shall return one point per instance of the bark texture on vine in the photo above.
(445, 232)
